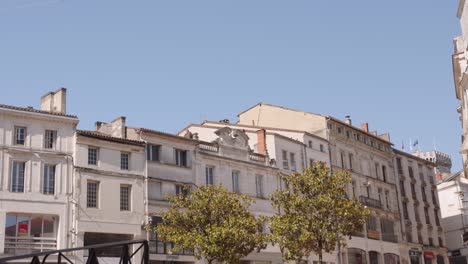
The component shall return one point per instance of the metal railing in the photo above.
(15, 244)
(370, 202)
(93, 253)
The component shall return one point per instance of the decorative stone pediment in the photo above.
(233, 138)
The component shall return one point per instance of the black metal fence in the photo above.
(126, 257)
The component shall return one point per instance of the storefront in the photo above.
(455, 257)
(415, 256)
(30, 233)
(390, 258)
(356, 256)
(429, 256)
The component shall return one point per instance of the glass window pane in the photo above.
(36, 226)
(10, 227)
(49, 227)
(23, 226)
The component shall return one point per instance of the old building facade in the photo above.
(36, 161)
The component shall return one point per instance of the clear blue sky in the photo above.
(165, 64)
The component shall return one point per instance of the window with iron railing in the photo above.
(399, 167)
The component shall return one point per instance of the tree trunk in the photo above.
(320, 257)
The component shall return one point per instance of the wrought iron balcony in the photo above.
(370, 202)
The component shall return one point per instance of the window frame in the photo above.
(259, 186)
(96, 198)
(127, 199)
(150, 153)
(209, 175)
(18, 178)
(53, 143)
(96, 158)
(181, 157)
(15, 135)
(46, 179)
(125, 162)
(235, 181)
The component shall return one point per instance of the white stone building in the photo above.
(36, 164)
(460, 76)
(442, 161)
(108, 190)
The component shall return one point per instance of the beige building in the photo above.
(370, 158)
(108, 190)
(420, 210)
(36, 161)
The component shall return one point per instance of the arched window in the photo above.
(374, 257)
(356, 256)
(391, 258)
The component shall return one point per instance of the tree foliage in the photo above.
(212, 222)
(313, 213)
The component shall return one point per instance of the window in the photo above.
(311, 163)
(209, 171)
(377, 170)
(416, 214)
(426, 214)
(413, 191)
(310, 144)
(48, 179)
(322, 149)
(441, 243)
(154, 190)
(181, 189)
(384, 173)
(17, 176)
(125, 194)
(293, 161)
(380, 196)
(92, 194)
(423, 192)
(350, 156)
(399, 167)
(342, 160)
(434, 199)
(410, 171)
(92, 156)
(372, 223)
(181, 157)
(436, 216)
(152, 152)
(49, 139)
(285, 160)
(339, 130)
(259, 185)
(387, 200)
(124, 160)
(405, 211)
(235, 181)
(402, 188)
(353, 186)
(368, 190)
(20, 135)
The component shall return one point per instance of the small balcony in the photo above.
(26, 244)
(373, 234)
(370, 202)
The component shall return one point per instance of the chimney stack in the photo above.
(365, 127)
(55, 102)
(119, 128)
(261, 142)
(348, 120)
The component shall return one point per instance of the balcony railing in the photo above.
(390, 238)
(370, 202)
(24, 245)
(257, 157)
(159, 247)
(373, 234)
(209, 147)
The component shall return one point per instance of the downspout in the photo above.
(146, 183)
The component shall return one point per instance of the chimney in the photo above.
(348, 120)
(118, 127)
(365, 127)
(261, 142)
(55, 102)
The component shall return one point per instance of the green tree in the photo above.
(214, 223)
(313, 213)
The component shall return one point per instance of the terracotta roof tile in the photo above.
(99, 135)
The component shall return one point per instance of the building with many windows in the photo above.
(420, 210)
(108, 189)
(36, 161)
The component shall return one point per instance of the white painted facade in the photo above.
(36, 148)
(109, 189)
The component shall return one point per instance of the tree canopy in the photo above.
(214, 223)
(314, 213)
